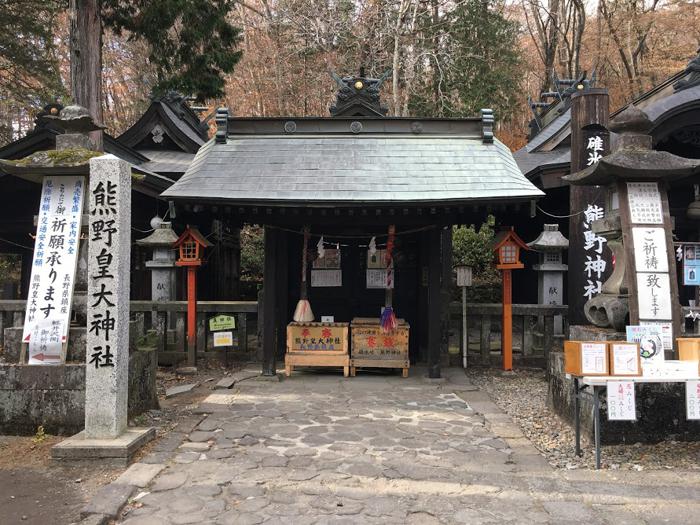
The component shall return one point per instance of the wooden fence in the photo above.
(533, 332)
(533, 328)
(167, 323)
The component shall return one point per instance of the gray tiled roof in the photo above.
(167, 161)
(549, 131)
(378, 168)
(531, 161)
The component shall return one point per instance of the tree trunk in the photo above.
(86, 60)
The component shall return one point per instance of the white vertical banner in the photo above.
(692, 399)
(621, 401)
(107, 355)
(54, 263)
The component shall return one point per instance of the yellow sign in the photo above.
(223, 339)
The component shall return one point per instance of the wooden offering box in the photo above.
(317, 344)
(586, 358)
(625, 359)
(688, 349)
(371, 348)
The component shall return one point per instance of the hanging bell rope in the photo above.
(388, 321)
(303, 312)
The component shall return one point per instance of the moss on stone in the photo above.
(58, 158)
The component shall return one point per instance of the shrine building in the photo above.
(348, 179)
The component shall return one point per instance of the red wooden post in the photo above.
(191, 245)
(507, 331)
(507, 246)
(191, 304)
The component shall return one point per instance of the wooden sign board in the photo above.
(317, 338)
(625, 359)
(222, 322)
(582, 358)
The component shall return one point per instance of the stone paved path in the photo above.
(373, 449)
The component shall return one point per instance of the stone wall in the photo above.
(75, 350)
(54, 396)
(660, 410)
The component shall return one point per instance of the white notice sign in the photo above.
(46, 343)
(654, 295)
(326, 278)
(621, 401)
(593, 358)
(625, 358)
(692, 399)
(645, 203)
(665, 332)
(377, 279)
(55, 254)
(223, 338)
(650, 249)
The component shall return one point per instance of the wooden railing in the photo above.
(11, 314)
(166, 323)
(535, 331)
(163, 324)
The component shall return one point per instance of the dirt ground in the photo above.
(38, 491)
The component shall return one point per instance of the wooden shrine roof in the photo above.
(353, 160)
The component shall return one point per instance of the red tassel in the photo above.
(388, 321)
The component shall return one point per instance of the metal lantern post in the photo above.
(464, 279)
(507, 246)
(191, 246)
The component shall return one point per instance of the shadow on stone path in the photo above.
(317, 448)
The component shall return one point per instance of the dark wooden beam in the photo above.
(282, 282)
(269, 329)
(434, 303)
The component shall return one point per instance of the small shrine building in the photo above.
(348, 178)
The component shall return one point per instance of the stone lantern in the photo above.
(162, 264)
(550, 245)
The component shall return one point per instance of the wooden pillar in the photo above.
(434, 302)
(224, 263)
(445, 289)
(269, 330)
(282, 292)
(507, 322)
(191, 315)
(589, 115)
(422, 313)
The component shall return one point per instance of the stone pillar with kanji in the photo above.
(634, 178)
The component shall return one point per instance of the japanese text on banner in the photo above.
(55, 255)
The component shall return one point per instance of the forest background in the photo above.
(447, 58)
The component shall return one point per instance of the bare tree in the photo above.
(629, 23)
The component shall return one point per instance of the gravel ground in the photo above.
(554, 438)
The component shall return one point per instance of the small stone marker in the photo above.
(109, 252)
(180, 389)
(226, 382)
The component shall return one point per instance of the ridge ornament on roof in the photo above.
(359, 95)
(692, 72)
